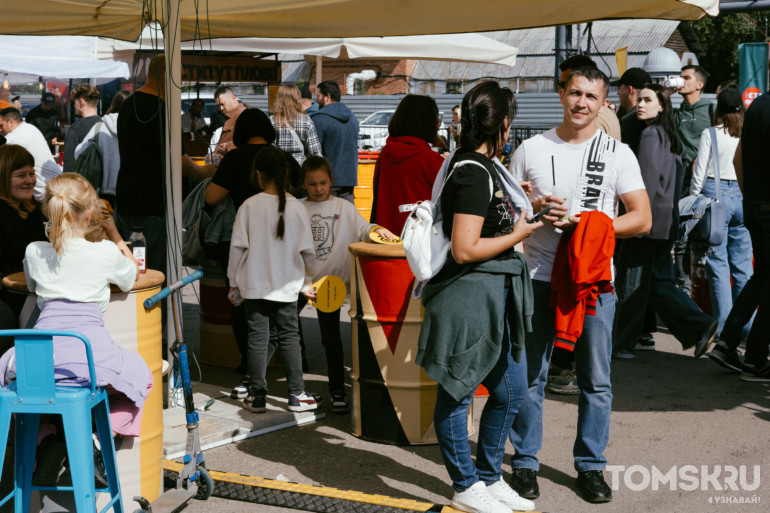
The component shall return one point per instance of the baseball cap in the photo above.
(729, 100)
(49, 98)
(634, 77)
(4, 104)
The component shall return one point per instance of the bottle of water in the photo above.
(139, 248)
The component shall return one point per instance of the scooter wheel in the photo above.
(205, 485)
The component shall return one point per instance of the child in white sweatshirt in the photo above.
(271, 262)
(335, 224)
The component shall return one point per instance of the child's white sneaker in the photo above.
(303, 402)
(477, 499)
(508, 496)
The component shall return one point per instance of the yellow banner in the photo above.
(620, 60)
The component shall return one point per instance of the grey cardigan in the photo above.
(462, 331)
(659, 172)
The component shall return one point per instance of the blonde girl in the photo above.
(71, 278)
(270, 263)
(295, 131)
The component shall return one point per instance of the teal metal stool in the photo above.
(35, 393)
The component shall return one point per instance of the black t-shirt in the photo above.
(234, 172)
(140, 186)
(756, 151)
(467, 192)
(75, 135)
(47, 121)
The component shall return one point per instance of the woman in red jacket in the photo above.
(407, 166)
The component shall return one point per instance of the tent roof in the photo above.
(124, 19)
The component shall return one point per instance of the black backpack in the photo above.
(90, 163)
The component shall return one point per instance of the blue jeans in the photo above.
(732, 258)
(506, 383)
(592, 364)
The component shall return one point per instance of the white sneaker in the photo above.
(477, 499)
(508, 496)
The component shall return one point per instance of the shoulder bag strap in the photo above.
(715, 159)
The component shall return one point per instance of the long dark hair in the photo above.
(271, 163)
(252, 123)
(666, 117)
(483, 114)
(117, 101)
(417, 116)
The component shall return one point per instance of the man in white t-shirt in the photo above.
(16, 131)
(600, 170)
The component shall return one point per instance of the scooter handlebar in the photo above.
(167, 291)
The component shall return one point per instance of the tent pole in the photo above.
(173, 144)
(319, 62)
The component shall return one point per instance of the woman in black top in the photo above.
(21, 222)
(477, 307)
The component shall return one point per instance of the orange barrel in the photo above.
(699, 284)
(140, 460)
(393, 398)
(217, 340)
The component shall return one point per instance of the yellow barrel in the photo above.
(131, 326)
(363, 193)
(393, 398)
(217, 340)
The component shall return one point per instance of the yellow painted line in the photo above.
(321, 491)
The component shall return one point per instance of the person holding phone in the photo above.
(478, 306)
(575, 154)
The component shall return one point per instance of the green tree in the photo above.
(720, 37)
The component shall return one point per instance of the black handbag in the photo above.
(712, 227)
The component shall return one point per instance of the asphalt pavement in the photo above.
(686, 436)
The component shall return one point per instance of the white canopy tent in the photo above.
(186, 21)
(456, 47)
(26, 58)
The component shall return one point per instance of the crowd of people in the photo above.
(595, 201)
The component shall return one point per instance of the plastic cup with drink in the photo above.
(565, 192)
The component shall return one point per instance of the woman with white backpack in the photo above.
(477, 307)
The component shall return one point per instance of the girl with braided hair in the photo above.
(271, 262)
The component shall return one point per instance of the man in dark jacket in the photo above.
(337, 129)
(46, 118)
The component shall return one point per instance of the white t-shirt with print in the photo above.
(546, 157)
(83, 272)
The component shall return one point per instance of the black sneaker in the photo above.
(646, 342)
(255, 404)
(726, 357)
(760, 374)
(339, 402)
(241, 390)
(524, 482)
(592, 486)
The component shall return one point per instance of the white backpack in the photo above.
(425, 244)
